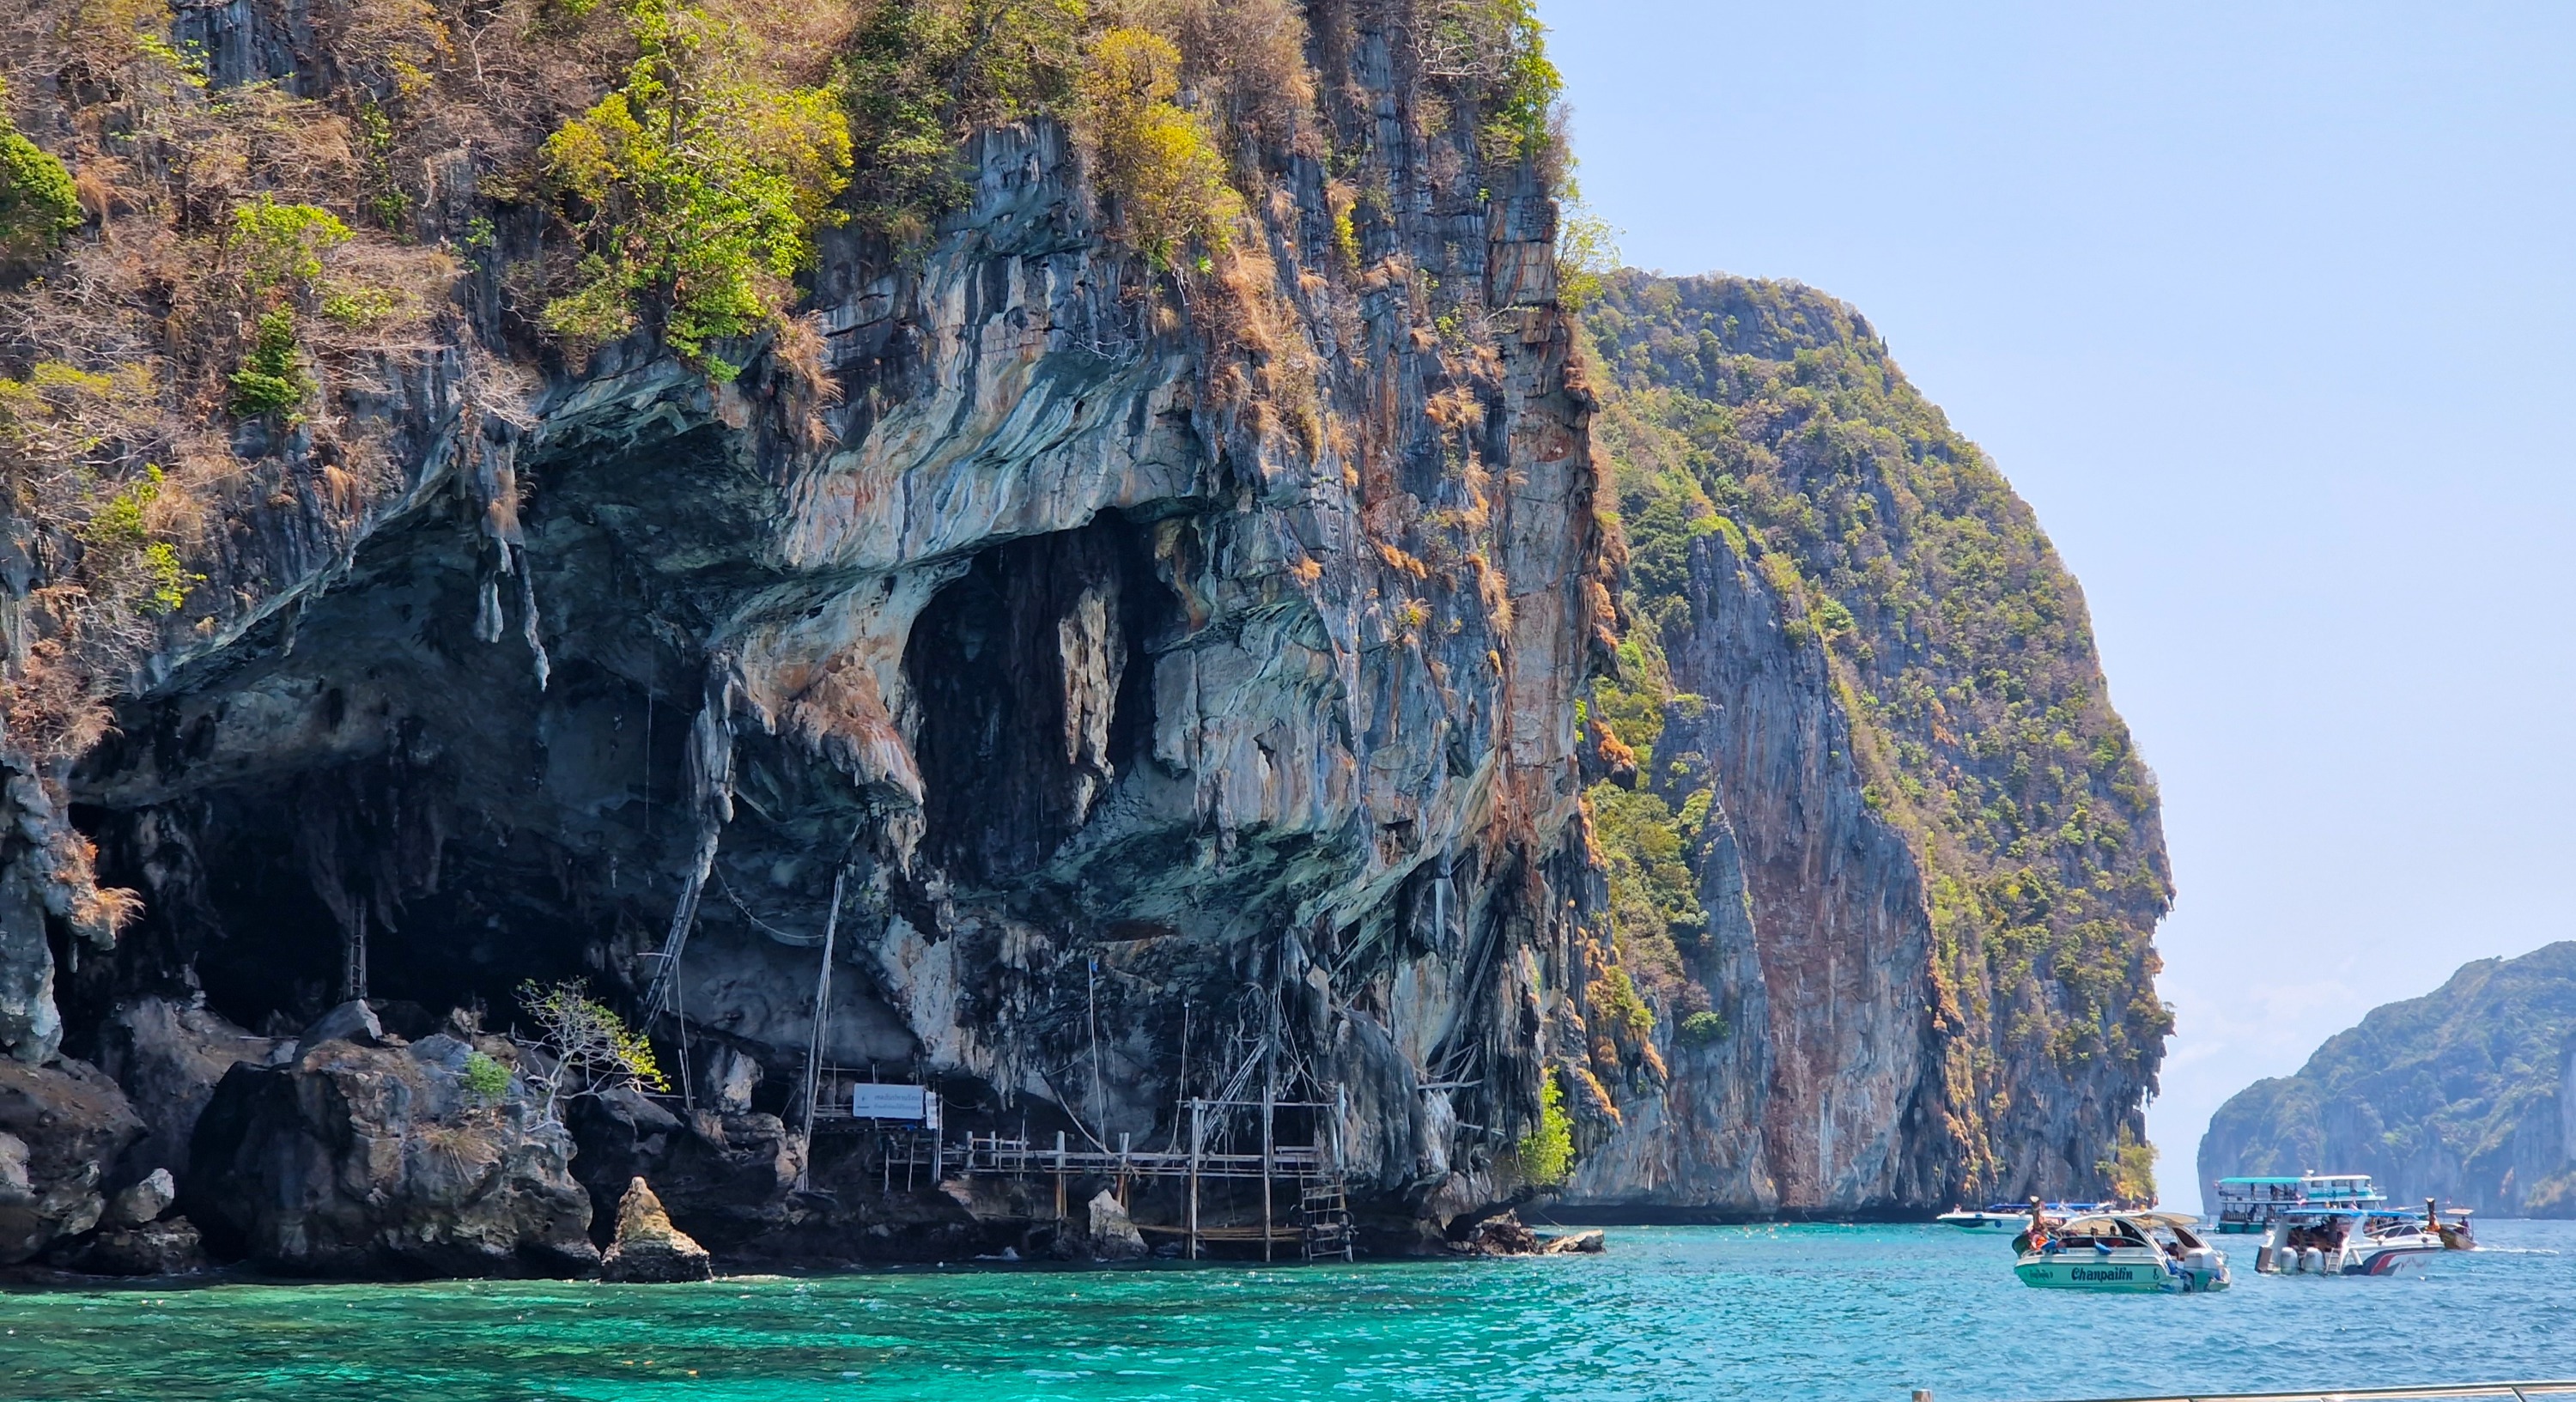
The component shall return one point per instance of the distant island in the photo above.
(2467, 1094)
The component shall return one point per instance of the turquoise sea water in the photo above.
(1676, 1312)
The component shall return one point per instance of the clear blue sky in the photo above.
(2267, 309)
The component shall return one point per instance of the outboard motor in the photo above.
(2313, 1260)
(2274, 1256)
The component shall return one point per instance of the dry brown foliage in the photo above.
(1246, 62)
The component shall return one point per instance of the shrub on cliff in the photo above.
(38, 204)
(1495, 52)
(271, 378)
(696, 187)
(1544, 1157)
(1154, 158)
(920, 74)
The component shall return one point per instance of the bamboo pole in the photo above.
(1198, 1110)
(822, 1010)
(1059, 1175)
(1269, 1159)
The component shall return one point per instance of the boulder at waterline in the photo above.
(62, 1128)
(143, 1203)
(1113, 1235)
(728, 1176)
(168, 1056)
(355, 1160)
(648, 1249)
(170, 1247)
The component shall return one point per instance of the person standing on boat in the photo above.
(2035, 1236)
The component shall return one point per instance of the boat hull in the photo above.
(2389, 1260)
(2118, 1274)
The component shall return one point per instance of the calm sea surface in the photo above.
(1677, 1312)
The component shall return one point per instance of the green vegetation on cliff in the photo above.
(1956, 645)
(2464, 1094)
(38, 204)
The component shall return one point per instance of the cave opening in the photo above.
(1033, 687)
(352, 829)
(267, 894)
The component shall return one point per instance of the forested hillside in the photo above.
(2467, 1094)
(1842, 621)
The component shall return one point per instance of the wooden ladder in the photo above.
(1324, 1221)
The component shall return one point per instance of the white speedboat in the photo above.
(2000, 1214)
(2133, 1252)
(2012, 1215)
(2347, 1241)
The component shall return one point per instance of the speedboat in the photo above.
(1993, 1214)
(2133, 1252)
(2014, 1215)
(2347, 1241)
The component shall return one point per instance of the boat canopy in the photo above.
(2074, 1226)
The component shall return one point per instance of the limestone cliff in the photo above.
(1137, 651)
(2467, 1094)
(1882, 868)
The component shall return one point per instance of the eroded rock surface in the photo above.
(648, 1249)
(62, 1130)
(168, 1057)
(355, 1160)
(1158, 670)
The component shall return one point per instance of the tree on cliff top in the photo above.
(697, 186)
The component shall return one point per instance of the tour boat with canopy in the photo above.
(2132, 1252)
(2250, 1205)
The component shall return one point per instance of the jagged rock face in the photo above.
(168, 1058)
(1900, 952)
(2467, 1094)
(368, 1161)
(1118, 712)
(1817, 945)
(62, 1129)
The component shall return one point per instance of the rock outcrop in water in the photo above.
(352, 1160)
(1883, 883)
(648, 1249)
(2467, 1094)
(63, 1129)
(1136, 668)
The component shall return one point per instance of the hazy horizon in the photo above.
(2262, 308)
